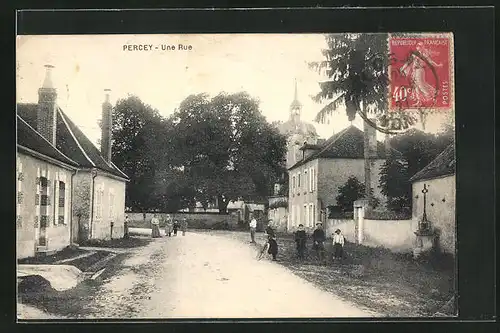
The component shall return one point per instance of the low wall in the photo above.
(396, 235)
(345, 225)
(195, 220)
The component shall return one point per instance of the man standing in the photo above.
(125, 228)
(253, 227)
(318, 239)
(300, 240)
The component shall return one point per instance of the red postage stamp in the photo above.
(421, 72)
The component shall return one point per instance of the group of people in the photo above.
(318, 237)
(172, 226)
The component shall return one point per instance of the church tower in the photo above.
(298, 132)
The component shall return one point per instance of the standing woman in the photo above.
(184, 226)
(155, 227)
(271, 238)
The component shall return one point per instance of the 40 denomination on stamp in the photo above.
(421, 72)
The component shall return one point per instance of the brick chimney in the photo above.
(106, 125)
(46, 112)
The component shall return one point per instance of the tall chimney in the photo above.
(106, 124)
(46, 114)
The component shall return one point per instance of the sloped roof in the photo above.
(348, 143)
(71, 141)
(28, 137)
(442, 165)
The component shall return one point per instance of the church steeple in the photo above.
(295, 107)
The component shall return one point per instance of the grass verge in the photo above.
(71, 303)
(130, 242)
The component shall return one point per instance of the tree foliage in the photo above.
(140, 138)
(418, 149)
(351, 191)
(226, 148)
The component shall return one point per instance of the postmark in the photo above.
(421, 72)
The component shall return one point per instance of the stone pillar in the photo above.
(359, 217)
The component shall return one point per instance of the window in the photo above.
(293, 183)
(62, 203)
(311, 215)
(305, 180)
(98, 203)
(111, 206)
(313, 177)
(298, 180)
(306, 215)
(44, 201)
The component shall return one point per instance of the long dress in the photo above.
(155, 227)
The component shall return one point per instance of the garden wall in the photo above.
(195, 220)
(396, 235)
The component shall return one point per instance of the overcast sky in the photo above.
(264, 65)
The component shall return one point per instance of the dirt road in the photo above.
(204, 275)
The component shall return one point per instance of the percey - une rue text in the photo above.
(156, 47)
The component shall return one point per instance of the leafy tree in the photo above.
(226, 148)
(418, 149)
(140, 145)
(351, 191)
(356, 67)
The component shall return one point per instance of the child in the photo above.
(338, 245)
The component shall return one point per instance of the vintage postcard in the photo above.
(197, 176)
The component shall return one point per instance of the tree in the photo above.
(356, 67)
(226, 148)
(140, 146)
(351, 191)
(418, 149)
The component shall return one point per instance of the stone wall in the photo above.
(195, 220)
(396, 235)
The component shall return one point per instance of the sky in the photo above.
(264, 65)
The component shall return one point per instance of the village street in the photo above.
(204, 275)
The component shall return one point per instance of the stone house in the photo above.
(324, 167)
(440, 182)
(61, 166)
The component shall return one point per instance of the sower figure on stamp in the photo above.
(300, 241)
(318, 241)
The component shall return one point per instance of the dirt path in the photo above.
(203, 275)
